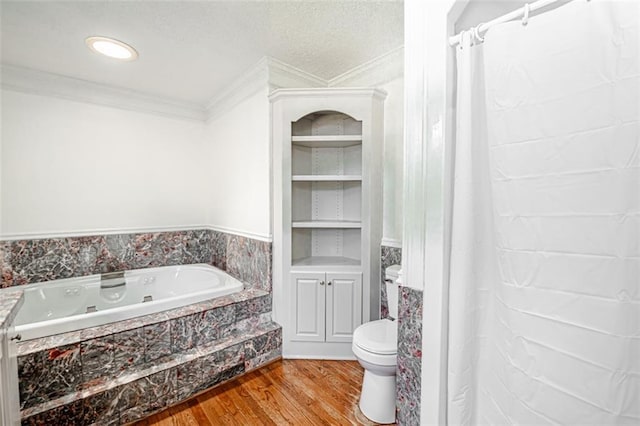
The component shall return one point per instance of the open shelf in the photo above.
(327, 141)
(325, 261)
(327, 224)
(326, 178)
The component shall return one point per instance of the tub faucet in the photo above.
(112, 279)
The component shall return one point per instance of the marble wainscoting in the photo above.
(388, 256)
(246, 259)
(409, 370)
(114, 375)
(38, 260)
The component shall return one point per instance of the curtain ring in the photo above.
(525, 18)
(462, 36)
(476, 33)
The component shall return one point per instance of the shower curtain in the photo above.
(544, 290)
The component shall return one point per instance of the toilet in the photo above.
(375, 345)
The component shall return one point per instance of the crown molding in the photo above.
(282, 75)
(248, 83)
(375, 72)
(324, 91)
(269, 73)
(37, 82)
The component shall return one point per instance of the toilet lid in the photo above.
(380, 337)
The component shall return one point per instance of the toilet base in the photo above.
(378, 397)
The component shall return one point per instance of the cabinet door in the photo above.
(344, 305)
(308, 306)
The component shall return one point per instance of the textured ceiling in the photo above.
(191, 51)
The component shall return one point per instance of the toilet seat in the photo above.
(377, 337)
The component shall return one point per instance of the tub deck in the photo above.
(121, 372)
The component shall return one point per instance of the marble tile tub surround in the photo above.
(38, 260)
(163, 359)
(409, 369)
(388, 256)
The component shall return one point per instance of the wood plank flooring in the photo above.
(287, 392)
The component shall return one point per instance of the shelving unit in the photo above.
(327, 146)
(326, 178)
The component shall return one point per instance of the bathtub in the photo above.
(60, 306)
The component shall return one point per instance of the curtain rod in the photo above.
(516, 14)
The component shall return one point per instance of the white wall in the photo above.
(237, 160)
(72, 167)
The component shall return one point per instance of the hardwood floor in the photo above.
(288, 392)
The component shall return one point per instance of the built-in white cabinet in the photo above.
(328, 306)
(327, 168)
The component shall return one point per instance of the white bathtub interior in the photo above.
(64, 305)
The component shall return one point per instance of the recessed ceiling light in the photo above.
(112, 48)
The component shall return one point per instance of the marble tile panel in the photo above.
(249, 261)
(10, 301)
(6, 271)
(62, 371)
(260, 360)
(128, 349)
(30, 372)
(204, 331)
(388, 256)
(197, 247)
(43, 260)
(245, 326)
(160, 389)
(157, 249)
(253, 307)
(263, 344)
(37, 260)
(221, 317)
(157, 341)
(119, 253)
(218, 361)
(101, 408)
(48, 375)
(98, 359)
(182, 333)
(408, 374)
(67, 415)
(408, 391)
(132, 414)
(131, 395)
(189, 379)
(218, 250)
(228, 374)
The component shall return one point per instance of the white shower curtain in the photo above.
(544, 318)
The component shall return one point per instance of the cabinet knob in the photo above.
(329, 283)
(321, 282)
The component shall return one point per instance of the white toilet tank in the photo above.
(391, 275)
